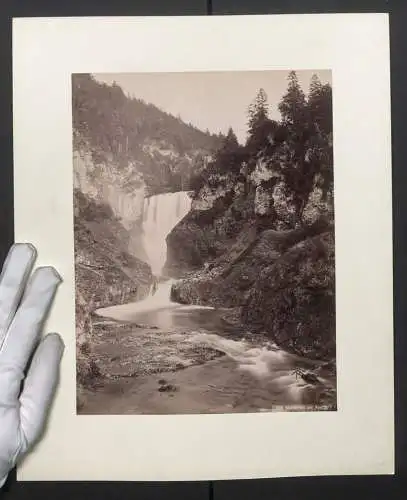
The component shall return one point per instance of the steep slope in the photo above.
(293, 299)
(125, 149)
(122, 190)
(106, 273)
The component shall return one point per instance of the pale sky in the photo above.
(212, 100)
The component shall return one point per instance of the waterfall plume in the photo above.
(161, 213)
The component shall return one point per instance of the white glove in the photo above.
(24, 304)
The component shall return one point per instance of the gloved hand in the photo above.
(25, 395)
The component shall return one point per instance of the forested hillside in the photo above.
(129, 132)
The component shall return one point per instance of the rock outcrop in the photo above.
(293, 299)
(120, 189)
(212, 228)
(106, 273)
(282, 285)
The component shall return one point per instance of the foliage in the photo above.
(227, 161)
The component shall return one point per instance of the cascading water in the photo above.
(161, 214)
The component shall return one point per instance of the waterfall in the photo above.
(161, 213)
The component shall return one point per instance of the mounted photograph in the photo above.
(204, 236)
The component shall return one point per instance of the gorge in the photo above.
(204, 282)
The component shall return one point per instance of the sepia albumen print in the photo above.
(204, 242)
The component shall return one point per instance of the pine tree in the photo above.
(298, 172)
(320, 104)
(230, 141)
(258, 112)
(320, 148)
(293, 105)
(315, 85)
(228, 155)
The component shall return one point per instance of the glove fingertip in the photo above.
(56, 341)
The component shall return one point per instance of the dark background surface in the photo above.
(369, 488)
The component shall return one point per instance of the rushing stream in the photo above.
(248, 374)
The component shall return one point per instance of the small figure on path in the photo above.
(155, 285)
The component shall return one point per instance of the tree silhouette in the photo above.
(293, 104)
(258, 112)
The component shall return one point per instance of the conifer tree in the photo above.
(258, 112)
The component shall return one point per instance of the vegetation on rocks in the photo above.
(260, 235)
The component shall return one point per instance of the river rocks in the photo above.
(310, 378)
(122, 351)
(198, 290)
(166, 387)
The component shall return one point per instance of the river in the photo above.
(172, 359)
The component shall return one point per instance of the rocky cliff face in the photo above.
(120, 189)
(293, 299)
(106, 273)
(242, 247)
(229, 280)
(217, 218)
